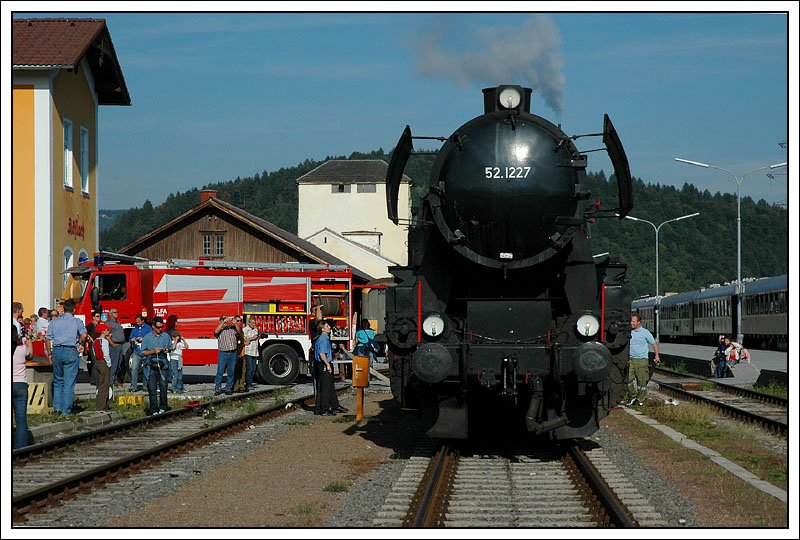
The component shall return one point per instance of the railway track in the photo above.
(49, 474)
(768, 411)
(575, 486)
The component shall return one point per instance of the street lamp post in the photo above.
(739, 288)
(657, 229)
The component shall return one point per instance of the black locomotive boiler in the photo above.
(502, 316)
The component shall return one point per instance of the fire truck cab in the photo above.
(278, 296)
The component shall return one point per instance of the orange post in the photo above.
(360, 381)
(359, 403)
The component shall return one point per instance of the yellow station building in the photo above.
(63, 70)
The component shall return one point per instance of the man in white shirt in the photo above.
(251, 335)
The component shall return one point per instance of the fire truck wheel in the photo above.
(279, 364)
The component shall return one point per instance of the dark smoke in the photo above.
(529, 54)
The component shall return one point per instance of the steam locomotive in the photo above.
(502, 317)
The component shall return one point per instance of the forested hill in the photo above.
(693, 252)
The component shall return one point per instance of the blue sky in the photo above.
(221, 95)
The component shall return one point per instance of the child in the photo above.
(102, 356)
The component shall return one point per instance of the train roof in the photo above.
(715, 292)
(679, 298)
(644, 302)
(769, 284)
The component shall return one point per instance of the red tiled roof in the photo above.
(64, 43)
(52, 42)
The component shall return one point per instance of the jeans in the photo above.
(225, 360)
(251, 369)
(136, 362)
(19, 400)
(176, 373)
(721, 365)
(66, 363)
(155, 383)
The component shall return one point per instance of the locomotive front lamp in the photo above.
(509, 98)
(587, 325)
(433, 325)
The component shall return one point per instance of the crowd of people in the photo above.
(60, 339)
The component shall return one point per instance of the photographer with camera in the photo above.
(228, 335)
(155, 348)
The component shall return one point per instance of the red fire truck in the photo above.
(278, 296)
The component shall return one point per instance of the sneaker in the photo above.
(217, 392)
(161, 411)
(640, 403)
(631, 401)
(229, 393)
(132, 390)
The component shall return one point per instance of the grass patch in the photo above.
(336, 487)
(250, 406)
(304, 510)
(721, 499)
(773, 389)
(733, 440)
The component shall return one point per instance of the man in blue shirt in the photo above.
(140, 330)
(65, 332)
(638, 363)
(323, 404)
(155, 347)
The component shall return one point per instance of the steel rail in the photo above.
(772, 424)
(81, 482)
(432, 492)
(731, 389)
(611, 504)
(22, 455)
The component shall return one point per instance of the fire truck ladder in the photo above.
(238, 265)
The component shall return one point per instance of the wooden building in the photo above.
(218, 230)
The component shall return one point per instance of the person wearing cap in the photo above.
(102, 365)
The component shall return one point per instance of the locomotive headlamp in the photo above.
(433, 325)
(588, 325)
(509, 98)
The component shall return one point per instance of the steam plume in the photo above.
(528, 53)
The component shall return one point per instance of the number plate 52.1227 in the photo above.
(503, 173)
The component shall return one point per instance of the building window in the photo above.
(84, 160)
(83, 256)
(220, 244)
(340, 188)
(206, 244)
(68, 259)
(67, 153)
(366, 188)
